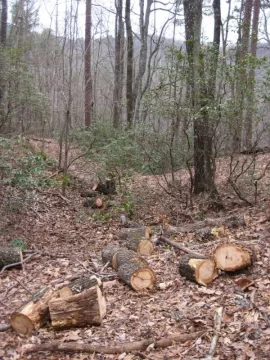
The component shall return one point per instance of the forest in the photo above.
(134, 179)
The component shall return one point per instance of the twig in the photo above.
(54, 194)
(162, 239)
(105, 267)
(21, 258)
(218, 320)
(18, 263)
(24, 287)
(118, 349)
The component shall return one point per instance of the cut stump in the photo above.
(124, 255)
(137, 276)
(86, 308)
(33, 314)
(230, 257)
(201, 270)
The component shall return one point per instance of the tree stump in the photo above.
(9, 256)
(124, 255)
(137, 276)
(230, 257)
(33, 314)
(201, 270)
(86, 308)
(108, 253)
(142, 246)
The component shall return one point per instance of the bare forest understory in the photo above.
(227, 319)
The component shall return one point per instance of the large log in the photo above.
(230, 257)
(137, 276)
(86, 308)
(34, 313)
(9, 255)
(142, 246)
(124, 255)
(199, 269)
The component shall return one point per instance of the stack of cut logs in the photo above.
(132, 268)
(79, 304)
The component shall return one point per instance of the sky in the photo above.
(103, 17)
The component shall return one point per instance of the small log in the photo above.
(124, 255)
(201, 270)
(34, 313)
(108, 252)
(142, 246)
(9, 255)
(86, 308)
(230, 257)
(137, 276)
(137, 233)
(94, 203)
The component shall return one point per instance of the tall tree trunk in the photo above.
(87, 65)
(118, 73)
(251, 79)
(193, 22)
(4, 11)
(241, 82)
(129, 69)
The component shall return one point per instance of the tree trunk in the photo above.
(129, 75)
(87, 64)
(118, 73)
(3, 34)
(251, 78)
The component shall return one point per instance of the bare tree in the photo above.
(129, 68)
(87, 59)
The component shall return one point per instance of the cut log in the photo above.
(201, 270)
(142, 246)
(230, 257)
(9, 255)
(86, 308)
(89, 193)
(108, 252)
(136, 233)
(94, 203)
(137, 276)
(34, 313)
(124, 255)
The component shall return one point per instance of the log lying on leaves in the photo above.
(137, 233)
(9, 255)
(89, 193)
(208, 234)
(94, 203)
(142, 246)
(123, 256)
(137, 276)
(117, 349)
(199, 269)
(108, 253)
(230, 257)
(34, 313)
(86, 308)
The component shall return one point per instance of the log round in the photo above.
(33, 314)
(137, 276)
(142, 246)
(9, 255)
(86, 308)
(124, 255)
(108, 252)
(201, 270)
(230, 257)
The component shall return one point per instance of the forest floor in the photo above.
(71, 238)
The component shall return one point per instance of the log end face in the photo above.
(230, 257)
(143, 279)
(21, 324)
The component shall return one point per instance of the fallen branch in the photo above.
(218, 320)
(118, 349)
(162, 239)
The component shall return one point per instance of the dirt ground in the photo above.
(71, 238)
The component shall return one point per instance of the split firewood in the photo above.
(9, 255)
(34, 313)
(108, 253)
(94, 203)
(142, 246)
(137, 276)
(230, 257)
(86, 308)
(199, 269)
(124, 255)
(117, 349)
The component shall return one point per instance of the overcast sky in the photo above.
(103, 16)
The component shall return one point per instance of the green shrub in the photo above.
(17, 243)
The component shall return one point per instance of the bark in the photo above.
(140, 245)
(86, 308)
(123, 256)
(230, 257)
(108, 253)
(3, 34)
(9, 256)
(129, 67)
(251, 78)
(87, 64)
(117, 349)
(118, 68)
